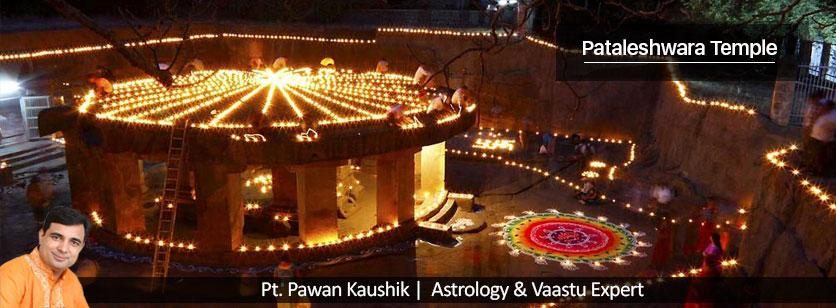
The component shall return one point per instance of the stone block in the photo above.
(220, 208)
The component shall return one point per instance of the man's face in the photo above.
(60, 245)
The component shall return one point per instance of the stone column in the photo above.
(220, 207)
(396, 187)
(83, 173)
(783, 91)
(405, 178)
(521, 18)
(121, 193)
(387, 192)
(432, 169)
(284, 188)
(316, 192)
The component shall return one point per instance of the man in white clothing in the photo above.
(820, 148)
(421, 76)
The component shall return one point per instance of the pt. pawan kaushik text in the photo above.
(440, 290)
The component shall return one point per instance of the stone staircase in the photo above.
(27, 158)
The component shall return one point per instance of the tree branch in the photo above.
(163, 77)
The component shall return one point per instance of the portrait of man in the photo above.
(42, 278)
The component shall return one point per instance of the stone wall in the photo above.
(790, 232)
(718, 150)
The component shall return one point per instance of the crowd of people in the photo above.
(440, 100)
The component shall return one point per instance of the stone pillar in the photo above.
(142, 188)
(432, 169)
(396, 187)
(284, 188)
(405, 178)
(783, 91)
(220, 207)
(316, 191)
(83, 173)
(417, 170)
(521, 10)
(781, 107)
(387, 192)
(121, 193)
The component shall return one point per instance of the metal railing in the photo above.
(811, 79)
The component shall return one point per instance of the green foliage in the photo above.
(820, 26)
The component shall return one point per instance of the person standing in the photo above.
(712, 257)
(820, 146)
(692, 231)
(37, 199)
(709, 214)
(815, 104)
(663, 247)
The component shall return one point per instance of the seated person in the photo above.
(328, 63)
(585, 149)
(279, 63)
(195, 65)
(256, 64)
(101, 85)
(462, 98)
(422, 74)
(437, 104)
(588, 193)
(382, 66)
(395, 116)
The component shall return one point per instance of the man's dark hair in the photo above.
(68, 217)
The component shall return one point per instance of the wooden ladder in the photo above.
(171, 196)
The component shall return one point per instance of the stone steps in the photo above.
(11, 151)
(445, 213)
(31, 157)
(34, 156)
(49, 164)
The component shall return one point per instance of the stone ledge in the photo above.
(406, 231)
(215, 146)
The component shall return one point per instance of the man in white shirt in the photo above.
(436, 104)
(421, 76)
(462, 98)
(820, 148)
(815, 105)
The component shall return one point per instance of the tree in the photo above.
(168, 19)
(809, 19)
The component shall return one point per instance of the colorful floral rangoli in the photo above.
(569, 239)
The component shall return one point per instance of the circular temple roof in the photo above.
(306, 115)
(229, 99)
